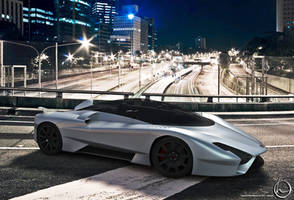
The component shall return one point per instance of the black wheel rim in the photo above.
(172, 157)
(48, 139)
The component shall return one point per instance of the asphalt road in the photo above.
(26, 171)
(184, 86)
(102, 81)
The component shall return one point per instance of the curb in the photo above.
(255, 115)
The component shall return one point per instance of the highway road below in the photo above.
(24, 169)
(108, 80)
(185, 85)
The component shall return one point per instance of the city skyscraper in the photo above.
(130, 31)
(127, 33)
(284, 15)
(103, 13)
(151, 33)
(11, 14)
(73, 19)
(144, 35)
(39, 20)
(200, 43)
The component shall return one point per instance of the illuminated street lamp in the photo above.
(85, 43)
(69, 57)
(43, 57)
(112, 57)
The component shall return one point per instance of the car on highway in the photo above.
(174, 141)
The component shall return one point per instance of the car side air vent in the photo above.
(245, 157)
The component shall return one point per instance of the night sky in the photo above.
(225, 23)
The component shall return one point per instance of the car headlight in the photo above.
(245, 157)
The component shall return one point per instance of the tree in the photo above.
(224, 60)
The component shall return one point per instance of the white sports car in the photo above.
(173, 141)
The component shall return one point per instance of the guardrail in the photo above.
(60, 92)
(261, 98)
(127, 95)
(18, 101)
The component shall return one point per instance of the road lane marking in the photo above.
(131, 182)
(260, 119)
(256, 195)
(268, 124)
(281, 146)
(19, 148)
(15, 123)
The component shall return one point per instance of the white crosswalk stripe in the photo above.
(127, 183)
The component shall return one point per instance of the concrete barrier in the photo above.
(33, 102)
(286, 84)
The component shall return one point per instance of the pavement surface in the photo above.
(184, 86)
(105, 80)
(207, 84)
(24, 170)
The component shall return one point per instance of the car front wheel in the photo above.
(172, 157)
(49, 139)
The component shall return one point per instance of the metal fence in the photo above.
(59, 93)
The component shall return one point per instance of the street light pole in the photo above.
(119, 67)
(56, 46)
(19, 44)
(39, 71)
(1, 64)
(91, 78)
(56, 64)
(140, 75)
(86, 43)
(218, 79)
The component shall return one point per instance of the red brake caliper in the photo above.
(163, 152)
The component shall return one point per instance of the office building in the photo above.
(102, 34)
(39, 20)
(151, 33)
(200, 43)
(155, 40)
(127, 33)
(144, 35)
(103, 12)
(130, 32)
(11, 15)
(73, 19)
(284, 15)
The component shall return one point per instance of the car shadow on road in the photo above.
(226, 187)
(35, 171)
(78, 165)
(27, 173)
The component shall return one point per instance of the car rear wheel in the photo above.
(49, 139)
(172, 157)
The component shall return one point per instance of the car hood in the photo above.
(225, 133)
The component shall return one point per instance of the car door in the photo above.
(118, 131)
